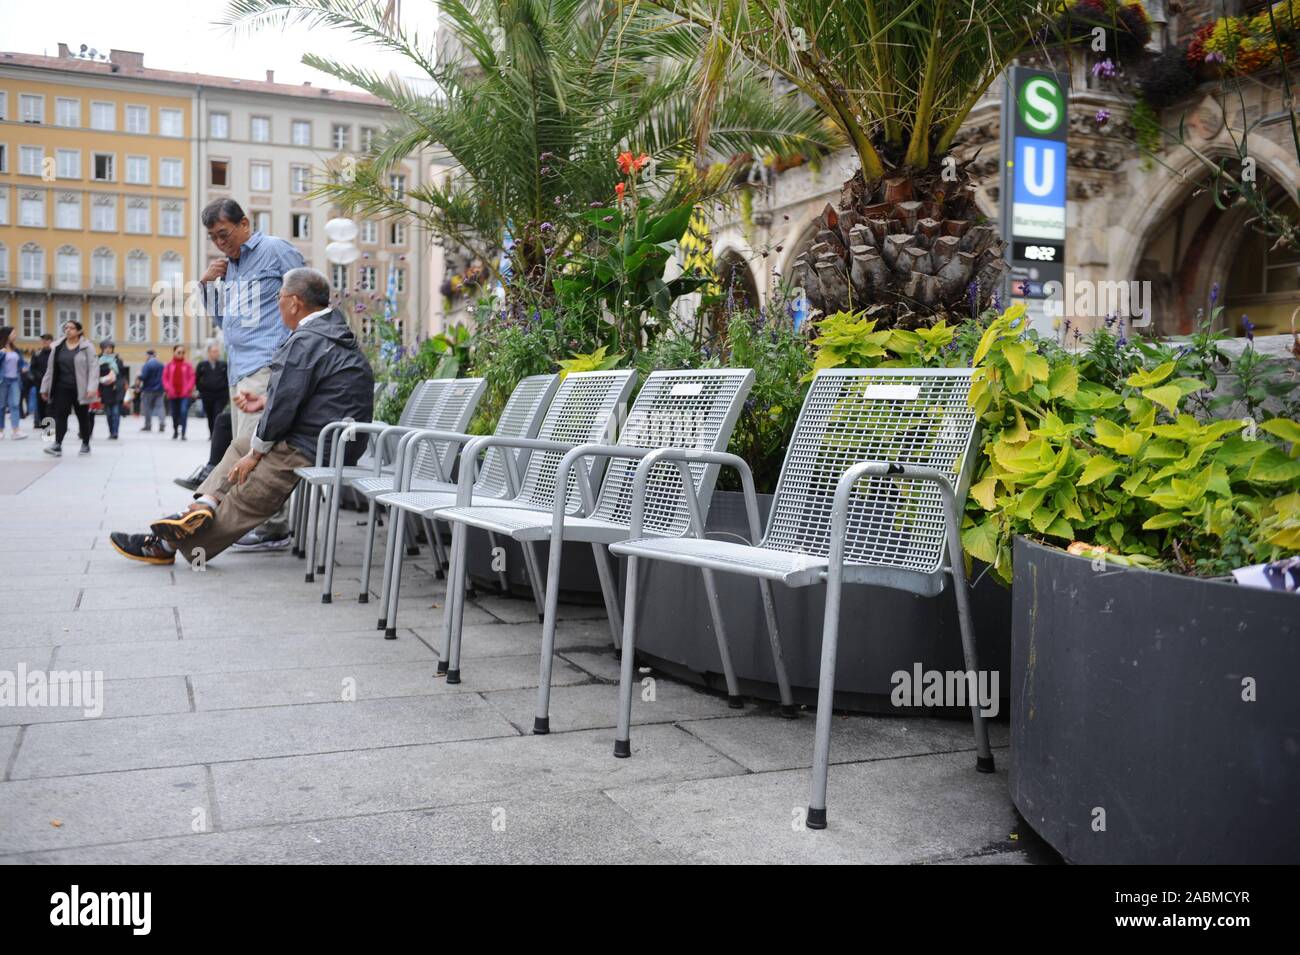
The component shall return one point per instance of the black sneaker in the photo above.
(197, 477)
(55, 449)
(177, 527)
(85, 448)
(145, 548)
(258, 541)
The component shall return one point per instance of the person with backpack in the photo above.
(112, 385)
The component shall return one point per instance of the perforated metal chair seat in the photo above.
(426, 503)
(528, 524)
(373, 486)
(790, 568)
(325, 475)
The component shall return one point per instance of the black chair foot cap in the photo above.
(310, 578)
(390, 633)
(326, 598)
(363, 598)
(541, 725)
(320, 568)
(442, 668)
(541, 618)
(735, 702)
(789, 711)
(983, 764)
(453, 676)
(471, 593)
(816, 818)
(439, 575)
(382, 624)
(622, 748)
(412, 551)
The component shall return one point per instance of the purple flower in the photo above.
(546, 157)
(557, 202)
(546, 170)
(1248, 327)
(1102, 117)
(358, 307)
(1104, 69)
(1214, 293)
(594, 205)
(1214, 56)
(547, 227)
(607, 219)
(549, 251)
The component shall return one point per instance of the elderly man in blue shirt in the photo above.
(241, 292)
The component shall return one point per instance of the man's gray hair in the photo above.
(309, 285)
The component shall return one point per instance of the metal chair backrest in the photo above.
(582, 412)
(457, 400)
(674, 409)
(417, 403)
(521, 417)
(914, 416)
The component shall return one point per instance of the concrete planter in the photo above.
(881, 631)
(1129, 702)
(578, 582)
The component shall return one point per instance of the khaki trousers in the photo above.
(244, 506)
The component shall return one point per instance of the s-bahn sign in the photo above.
(1034, 130)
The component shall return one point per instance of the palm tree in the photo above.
(532, 101)
(898, 77)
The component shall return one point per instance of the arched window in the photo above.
(137, 269)
(67, 267)
(103, 265)
(170, 270)
(32, 266)
(4, 263)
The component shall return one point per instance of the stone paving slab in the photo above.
(596, 705)
(98, 746)
(148, 697)
(506, 639)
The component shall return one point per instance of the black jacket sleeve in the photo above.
(290, 386)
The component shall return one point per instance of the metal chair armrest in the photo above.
(682, 457)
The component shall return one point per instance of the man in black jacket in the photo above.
(318, 375)
(36, 372)
(211, 377)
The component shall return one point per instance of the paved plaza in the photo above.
(244, 721)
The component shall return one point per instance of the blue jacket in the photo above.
(151, 375)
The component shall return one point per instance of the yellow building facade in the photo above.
(96, 174)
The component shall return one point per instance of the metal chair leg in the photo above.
(322, 535)
(983, 754)
(627, 667)
(331, 543)
(435, 541)
(778, 656)
(312, 517)
(720, 632)
(390, 613)
(607, 591)
(455, 615)
(534, 568)
(502, 580)
(825, 700)
(542, 719)
(368, 557)
(392, 563)
(293, 518)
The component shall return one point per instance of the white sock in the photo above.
(208, 501)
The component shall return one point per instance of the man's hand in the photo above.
(248, 402)
(217, 270)
(243, 468)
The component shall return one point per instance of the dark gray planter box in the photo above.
(578, 581)
(881, 630)
(1128, 698)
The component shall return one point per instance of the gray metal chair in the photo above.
(583, 410)
(693, 410)
(870, 492)
(498, 478)
(452, 410)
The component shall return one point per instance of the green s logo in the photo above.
(1041, 104)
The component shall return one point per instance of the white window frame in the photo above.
(137, 260)
(399, 281)
(137, 326)
(253, 122)
(297, 218)
(295, 128)
(136, 109)
(74, 158)
(369, 232)
(97, 280)
(339, 277)
(138, 206)
(169, 329)
(397, 234)
(137, 160)
(255, 167)
(165, 115)
(262, 221)
(31, 277)
(397, 184)
(98, 203)
(213, 125)
(23, 207)
(24, 155)
(299, 179)
(172, 276)
(367, 278)
(168, 215)
(166, 166)
(212, 179)
(25, 112)
(59, 103)
(112, 167)
(65, 276)
(102, 321)
(112, 118)
(32, 318)
(367, 141)
(4, 265)
(344, 141)
(67, 202)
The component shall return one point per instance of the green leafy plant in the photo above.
(592, 361)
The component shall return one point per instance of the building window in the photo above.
(367, 138)
(31, 108)
(68, 163)
(260, 180)
(33, 321)
(137, 327)
(31, 209)
(101, 324)
(397, 233)
(137, 170)
(170, 332)
(170, 219)
(171, 122)
(103, 116)
(219, 125)
(67, 112)
(67, 268)
(137, 119)
(30, 159)
(397, 183)
(340, 136)
(4, 105)
(399, 281)
(4, 158)
(171, 172)
(218, 172)
(137, 270)
(103, 167)
(366, 280)
(259, 129)
(69, 313)
(369, 231)
(4, 206)
(262, 221)
(4, 264)
(339, 278)
(298, 179)
(103, 270)
(67, 212)
(103, 214)
(300, 225)
(300, 132)
(31, 266)
(137, 216)
(170, 269)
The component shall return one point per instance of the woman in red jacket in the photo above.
(178, 385)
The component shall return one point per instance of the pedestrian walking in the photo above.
(178, 384)
(35, 374)
(70, 384)
(212, 377)
(11, 383)
(112, 385)
(151, 391)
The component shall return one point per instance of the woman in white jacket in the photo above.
(71, 383)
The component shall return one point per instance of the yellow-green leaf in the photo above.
(1284, 428)
(1162, 520)
(1274, 467)
(1146, 379)
(1063, 382)
(1167, 396)
(1098, 466)
(984, 492)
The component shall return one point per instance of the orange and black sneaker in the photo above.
(146, 548)
(177, 527)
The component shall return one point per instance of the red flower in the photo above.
(629, 165)
(619, 189)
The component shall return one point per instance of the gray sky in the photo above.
(181, 35)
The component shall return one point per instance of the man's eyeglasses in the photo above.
(221, 236)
